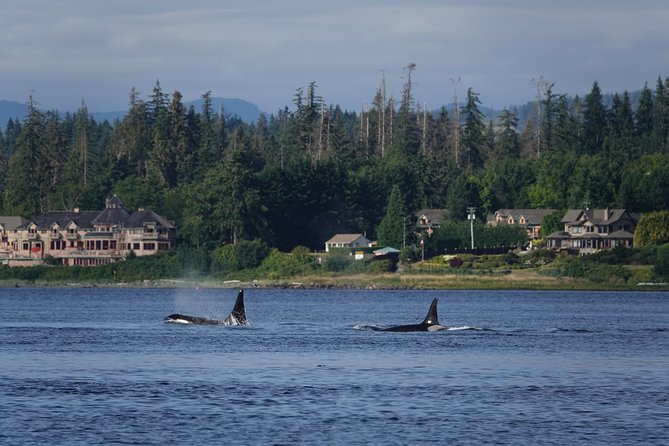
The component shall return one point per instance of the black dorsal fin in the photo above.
(432, 318)
(238, 311)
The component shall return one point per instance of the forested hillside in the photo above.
(300, 175)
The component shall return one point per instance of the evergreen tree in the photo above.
(12, 131)
(81, 153)
(157, 102)
(566, 132)
(594, 121)
(21, 197)
(644, 119)
(508, 143)
(661, 116)
(394, 229)
(51, 163)
(472, 140)
(208, 149)
(131, 140)
(548, 118)
(406, 142)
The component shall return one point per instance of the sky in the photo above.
(64, 52)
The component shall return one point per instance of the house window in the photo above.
(135, 246)
(149, 246)
(25, 246)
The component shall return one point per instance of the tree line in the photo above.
(298, 176)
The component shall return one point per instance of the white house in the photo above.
(347, 241)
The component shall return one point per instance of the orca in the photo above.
(236, 317)
(430, 323)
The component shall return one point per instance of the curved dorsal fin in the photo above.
(238, 311)
(432, 318)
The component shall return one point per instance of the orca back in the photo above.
(430, 320)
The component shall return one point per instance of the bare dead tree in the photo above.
(455, 82)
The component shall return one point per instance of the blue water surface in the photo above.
(99, 366)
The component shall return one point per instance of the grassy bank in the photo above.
(623, 270)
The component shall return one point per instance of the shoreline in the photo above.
(369, 282)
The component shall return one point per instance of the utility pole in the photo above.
(457, 120)
(471, 216)
(404, 232)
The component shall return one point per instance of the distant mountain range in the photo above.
(246, 111)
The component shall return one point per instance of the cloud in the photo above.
(263, 51)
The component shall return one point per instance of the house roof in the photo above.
(346, 238)
(434, 217)
(83, 219)
(139, 218)
(113, 214)
(11, 222)
(386, 250)
(622, 234)
(531, 216)
(595, 216)
(560, 235)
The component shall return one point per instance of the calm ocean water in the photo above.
(99, 366)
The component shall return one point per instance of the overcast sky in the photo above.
(263, 50)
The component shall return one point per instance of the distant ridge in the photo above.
(11, 109)
(246, 111)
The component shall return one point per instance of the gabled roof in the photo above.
(433, 216)
(139, 218)
(346, 238)
(11, 222)
(621, 234)
(111, 216)
(82, 219)
(531, 216)
(595, 216)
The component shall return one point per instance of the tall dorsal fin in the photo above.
(432, 318)
(238, 311)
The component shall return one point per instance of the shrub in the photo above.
(337, 263)
(662, 263)
(455, 262)
(575, 267)
(380, 266)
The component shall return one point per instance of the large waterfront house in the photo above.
(528, 219)
(85, 238)
(591, 230)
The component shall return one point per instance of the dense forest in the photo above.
(300, 175)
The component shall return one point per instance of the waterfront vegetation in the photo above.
(254, 265)
(298, 176)
(256, 201)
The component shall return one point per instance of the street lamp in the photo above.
(404, 232)
(471, 216)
